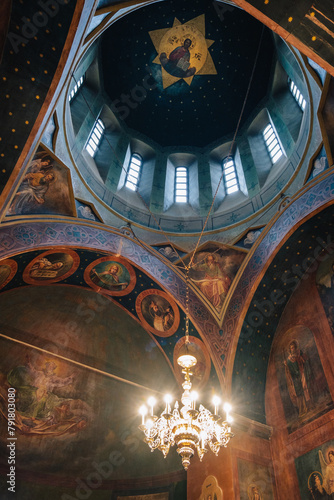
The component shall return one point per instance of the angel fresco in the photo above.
(40, 407)
(32, 191)
(328, 472)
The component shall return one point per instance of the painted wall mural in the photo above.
(51, 266)
(255, 481)
(37, 268)
(71, 412)
(45, 188)
(16, 239)
(211, 489)
(158, 312)
(315, 472)
(213, 270)
(302, 382)
(46, 402)
(112, 275)
(325, 285)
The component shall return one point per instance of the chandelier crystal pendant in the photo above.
(186, 427)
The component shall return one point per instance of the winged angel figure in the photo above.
(327, 471)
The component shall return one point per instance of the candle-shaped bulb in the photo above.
(216, 402)
(194, 397)
(168, 400)
(229, 420)
(151, 402)
(143, 412)
(227, 409)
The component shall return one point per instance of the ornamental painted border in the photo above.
(19, 237)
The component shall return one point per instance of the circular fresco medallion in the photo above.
(111, 275)
(158, 312)
(8, 268)
(51, 266)
(201, 371)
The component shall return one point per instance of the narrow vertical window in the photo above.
(273, 146)
(181, 185)
(76, 88)
(297, 95)
(132, 177)
(95, 137)
(230, 175)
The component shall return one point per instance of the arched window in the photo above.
(76, 88)
(230, 175)
(297, 94)
(95, 137)
(181, 185)
(134, 169)
(273, 146)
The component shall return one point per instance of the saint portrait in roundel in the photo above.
(51, 266)
(111, 275)
(158, 312)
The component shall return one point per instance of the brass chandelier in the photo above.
(188, 428)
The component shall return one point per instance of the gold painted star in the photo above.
(183, 51)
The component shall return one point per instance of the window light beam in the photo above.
(273, 147)
(95, 138)
(230, 176)
(76, 87)
(297, 95)
(133, 174)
